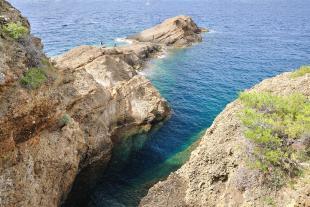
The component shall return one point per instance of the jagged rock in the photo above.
(217, 173)
(178, 31)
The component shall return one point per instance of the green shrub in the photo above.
(15, 30)
(65, 120)
(301, 71)
(269, 201)
(273, 123)
(33, 78)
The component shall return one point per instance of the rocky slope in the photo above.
(57, 118)
(218, 173)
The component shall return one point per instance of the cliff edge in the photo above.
(223, 170)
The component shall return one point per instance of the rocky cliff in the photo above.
(58, 116)
(219, 173)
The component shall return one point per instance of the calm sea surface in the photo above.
(250, 40)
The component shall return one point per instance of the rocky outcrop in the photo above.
(105, 101)
(18, 120)
(104, 93)
(178, 31)
(217, 173)
(19, 55)
(28, 154)
(90, 98)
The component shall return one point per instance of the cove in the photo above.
(249, 41)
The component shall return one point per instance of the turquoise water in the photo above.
(250, 40)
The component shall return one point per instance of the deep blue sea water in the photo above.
(250, 40)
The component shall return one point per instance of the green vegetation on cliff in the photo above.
(303, 70)
(15, 30)
(65, 120)
(274, 124)
(33, 78)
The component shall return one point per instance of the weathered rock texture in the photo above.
(92, 98)
(178, 31)
(104, 93)
(217, 173)
(16, 54)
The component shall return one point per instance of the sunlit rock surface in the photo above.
(217, 173)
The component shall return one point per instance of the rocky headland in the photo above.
(220, 172)
(58, 116)
(180, 31)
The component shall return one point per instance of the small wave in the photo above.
(142, 73)
(93, 22)
(162, 56)
(148, 70)
(123, 40)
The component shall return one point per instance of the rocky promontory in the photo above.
(222, 171)
(58, 116)
(179, 31)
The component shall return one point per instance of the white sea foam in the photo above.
(162, 56)
(148, 70)
(123, 40)
(142, 72)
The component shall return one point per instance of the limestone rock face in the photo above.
(178, 31)
(17, 117)
(36, 164)
(16, 56)
(217, 173)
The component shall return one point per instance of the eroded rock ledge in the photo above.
(217, 173)
(90, 99)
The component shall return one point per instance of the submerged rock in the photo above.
(218, 174)
(178, 31)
